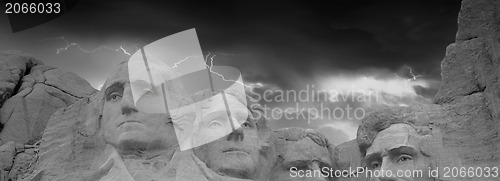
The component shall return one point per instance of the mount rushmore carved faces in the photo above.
(237, 153)
(137, 133)
(127, 128)
(397, 149)
(407, 144)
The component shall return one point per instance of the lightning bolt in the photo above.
(72, 44)
(180, 61)
(211, 64)
(123, 50)
(412, 78)
(218, 74)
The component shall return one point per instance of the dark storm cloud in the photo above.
(415, 32)
(285, 45)
(302, 37)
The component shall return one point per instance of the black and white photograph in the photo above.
(364, 90)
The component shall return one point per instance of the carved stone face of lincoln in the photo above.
(124, 125)
(397, 149)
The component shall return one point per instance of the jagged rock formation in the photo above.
(30, 92)
(467, 107)
(12, 68)
(7, 153)
(470, 91)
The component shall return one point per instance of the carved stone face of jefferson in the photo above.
(236, 154)
(125, 126)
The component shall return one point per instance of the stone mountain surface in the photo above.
(67, 154)
(30, 92)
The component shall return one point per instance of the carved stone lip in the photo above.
(235, 150)
(129, 121)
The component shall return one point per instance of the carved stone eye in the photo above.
(214, 124)
(375, 164)
(246, 124)
(115, 96)
(404, 158)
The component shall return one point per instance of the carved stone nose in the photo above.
(127, 102)
(236, 135)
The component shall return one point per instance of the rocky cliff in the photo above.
(30, 92)
(467, 107)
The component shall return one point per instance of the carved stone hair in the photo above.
(297, 134)
(432, 144)
(256, 110)
(377, 122)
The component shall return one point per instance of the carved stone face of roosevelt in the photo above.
(397, 149)
(234, 154)
(125, 126)
(303, 159)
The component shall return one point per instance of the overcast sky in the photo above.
(283, 45)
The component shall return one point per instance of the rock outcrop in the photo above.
(30, 92)
(13, 66)
(7, 153)
(470, 91)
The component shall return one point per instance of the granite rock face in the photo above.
(30, 92)
(470, 91)
(68, 151)
(347, 158)
(7, 153)
(467, 107)
(298, 148)
(473, 110)
(13, 66)
(71, 149)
